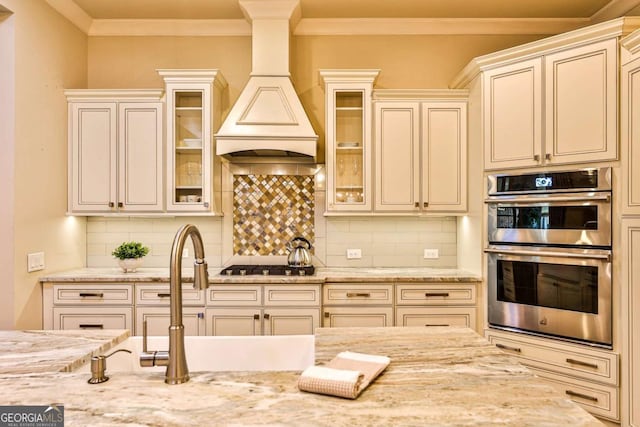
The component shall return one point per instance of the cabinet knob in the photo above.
(416, 205)
(266, 316)
(256, 317)
(120, 204)
(206, 204)
(425, 204)
(111, 204)
(536, 157)
(547, 156)
(327, 314)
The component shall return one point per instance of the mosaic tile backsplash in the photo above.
(269, 211)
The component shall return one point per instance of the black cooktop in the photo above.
(267, 270)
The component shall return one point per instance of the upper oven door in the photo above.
(582, 219)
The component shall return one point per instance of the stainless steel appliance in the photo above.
(549, 254)
(299, 255)
(267, 270)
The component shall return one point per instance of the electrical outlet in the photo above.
(431, 254)
(35, 261)
(354, 253)
(185, 253)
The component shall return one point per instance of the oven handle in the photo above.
(606, 257)
(550, 199)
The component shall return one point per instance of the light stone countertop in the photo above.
(437, 377)
(322, 275)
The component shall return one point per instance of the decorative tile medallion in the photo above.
(269, 211)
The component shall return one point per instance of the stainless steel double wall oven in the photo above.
(549, 254)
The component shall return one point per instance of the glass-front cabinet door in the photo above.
(192, 117)
(348, 139)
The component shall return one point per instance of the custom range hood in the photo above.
(268, 119)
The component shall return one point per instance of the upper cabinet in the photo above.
(557, 108)
(115, 151)
(420, 151)
(630, 125)
(348, 138)
(193, 100)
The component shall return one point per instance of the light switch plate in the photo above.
(354, 253)
(35, 261)
(431, 254)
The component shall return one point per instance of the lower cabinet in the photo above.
(588, 376)
(435, 304)
(357, 305)
(262, 310)
(91, 317)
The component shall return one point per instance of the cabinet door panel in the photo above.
(397, 151)
(140, 156)
(581, 104)
(291, 321)
(513, 115)
(357, 316)
(159, 318)
(444, 161)
(92, 318)
(93, 156)
(629, 137)
(436, 316)
(233, 321)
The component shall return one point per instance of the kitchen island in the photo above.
(437, 376)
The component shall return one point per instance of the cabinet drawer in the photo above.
(159, 295)
(159, 318)
(92, 318)
(598, 399)
(436, 316)
(366, 294)
(436, 294)
(102, 294)
(292, 295)
(234, 295)
(574, 360)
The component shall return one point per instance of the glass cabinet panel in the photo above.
(188, 143)
(349, 122)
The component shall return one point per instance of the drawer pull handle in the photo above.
(256, 317)
(437, 324)
(506, 347)
(92, 294)
(90, 326)
(358, 294)
(163, 295)
(436, 294)
(581, 395)
(581, 363)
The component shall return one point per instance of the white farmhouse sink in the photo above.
(221, 353)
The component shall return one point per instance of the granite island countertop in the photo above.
(437, 376)
(322, 275)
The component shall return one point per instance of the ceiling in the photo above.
(225, 17)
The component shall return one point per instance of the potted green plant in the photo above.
(130, 255)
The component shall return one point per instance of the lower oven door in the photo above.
(554, 291)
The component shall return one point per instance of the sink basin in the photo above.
(221, 353)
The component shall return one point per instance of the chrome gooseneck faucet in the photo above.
(175, 359)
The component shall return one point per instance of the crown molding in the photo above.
(436, 26)
(111, 94)
(420, 94)
(631, 42)
(170, 27)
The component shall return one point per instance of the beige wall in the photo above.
(50, 55)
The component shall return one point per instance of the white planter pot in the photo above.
(129, 265)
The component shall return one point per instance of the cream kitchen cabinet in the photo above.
(630, 321)
(115, 151)
(586, 375)
(362, 304)
(348, 139)
(630, 135)
(194, 109)
(87, 306)
(152, 306)
(436, 304)
(558, 108)
(263, 309)
(420, 153)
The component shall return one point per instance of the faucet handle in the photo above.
(149, 359)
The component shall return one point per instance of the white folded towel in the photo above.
(346, 375)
